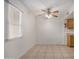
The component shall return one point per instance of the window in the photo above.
(14, 22)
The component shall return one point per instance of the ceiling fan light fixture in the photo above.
(48, 16)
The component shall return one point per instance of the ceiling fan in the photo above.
(50, 13)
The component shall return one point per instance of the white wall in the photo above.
(50, 31)
(17, 47)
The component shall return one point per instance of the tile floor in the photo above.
(49, 52)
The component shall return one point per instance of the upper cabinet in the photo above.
(70, 23)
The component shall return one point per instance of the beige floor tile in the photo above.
(69, 58)
(49, 57)
(40, 57)
(28, 57)
(59, 58)
(49, 52)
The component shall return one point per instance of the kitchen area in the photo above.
(69, 30)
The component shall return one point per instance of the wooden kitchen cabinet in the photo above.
(70, 40)
(70, 23)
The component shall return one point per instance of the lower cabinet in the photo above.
(70, 40)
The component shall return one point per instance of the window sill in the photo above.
(11, 39)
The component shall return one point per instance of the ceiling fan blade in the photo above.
(55, 14)
(55, 11)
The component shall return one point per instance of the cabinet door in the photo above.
(70, 40)
(70, 23)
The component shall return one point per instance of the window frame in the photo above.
(20, 22)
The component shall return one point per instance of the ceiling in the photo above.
(36, 5)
